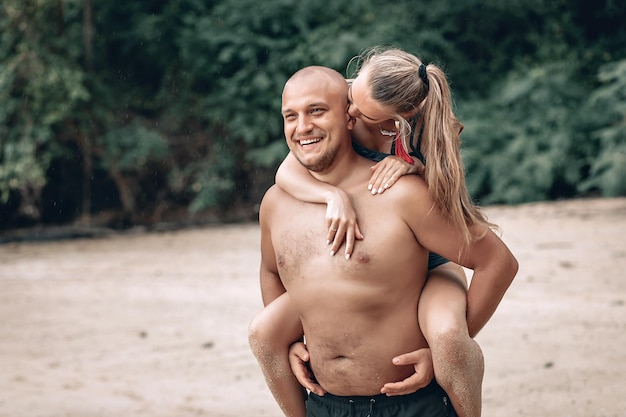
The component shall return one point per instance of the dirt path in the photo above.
(155, 325)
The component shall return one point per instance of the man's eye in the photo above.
(317, 110)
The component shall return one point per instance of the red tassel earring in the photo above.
(400, 151)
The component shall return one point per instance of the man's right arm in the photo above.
(271, 285)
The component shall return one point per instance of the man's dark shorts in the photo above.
(431, 401)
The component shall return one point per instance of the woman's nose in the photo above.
(352, 110)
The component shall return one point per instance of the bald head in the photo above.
(322, 78)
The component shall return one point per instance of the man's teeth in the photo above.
(308, 141)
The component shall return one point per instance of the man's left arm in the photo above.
(494, 269)
(491, 260)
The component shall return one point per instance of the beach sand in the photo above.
(155, 324)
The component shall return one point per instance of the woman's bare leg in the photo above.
(457, 359)
(270, 334)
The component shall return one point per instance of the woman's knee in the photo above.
(443, 322)
(261, 334)
(450, 340)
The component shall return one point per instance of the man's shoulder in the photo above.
(410, 197)
(271, 194)
(268, 203)
(275, 195)
(411, 184)
(272, 190)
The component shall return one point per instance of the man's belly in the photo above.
(357, 359)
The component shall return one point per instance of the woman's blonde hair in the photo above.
(395, 81)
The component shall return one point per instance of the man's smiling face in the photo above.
(315, 119)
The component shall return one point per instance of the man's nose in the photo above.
(304, 124)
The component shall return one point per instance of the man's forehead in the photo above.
(304, 101)
(307, 94)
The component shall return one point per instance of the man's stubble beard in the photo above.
(322, 163)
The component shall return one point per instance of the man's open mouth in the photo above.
(309, 141)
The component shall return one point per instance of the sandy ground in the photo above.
(155, 324)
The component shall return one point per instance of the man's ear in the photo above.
(351, 122)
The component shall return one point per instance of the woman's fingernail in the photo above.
(347, 256)
(332, 252)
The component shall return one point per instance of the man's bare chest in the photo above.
(302, 251)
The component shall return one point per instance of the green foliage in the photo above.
(19, 168)
(131, 148)
(520, 145)
(40, 90)
(608, 105)
(179, 101)
(213, 186)
(268, 155)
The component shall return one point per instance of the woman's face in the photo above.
(362, 106)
